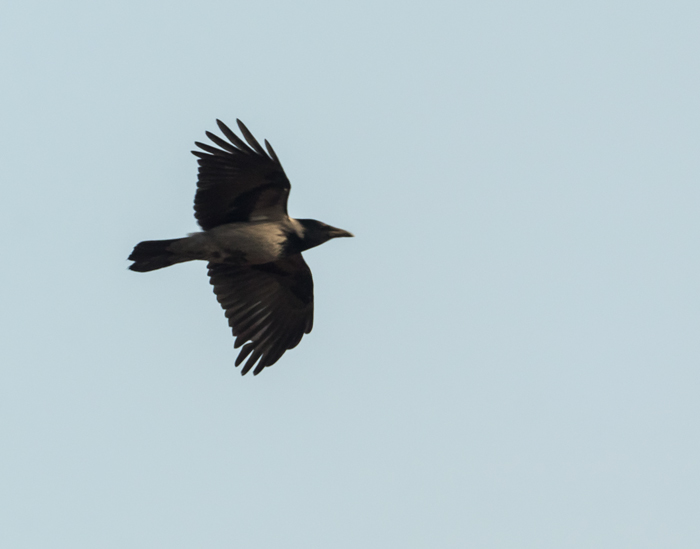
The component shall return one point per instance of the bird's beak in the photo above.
(335, 233)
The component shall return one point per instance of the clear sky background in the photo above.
(506, 356)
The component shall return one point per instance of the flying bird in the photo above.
(252, 246)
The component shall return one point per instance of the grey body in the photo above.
(250, 243)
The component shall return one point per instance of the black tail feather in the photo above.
(154, 254)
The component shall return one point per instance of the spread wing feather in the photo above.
(269, 307)
(238, 181)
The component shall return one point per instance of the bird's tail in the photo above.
(155, 254)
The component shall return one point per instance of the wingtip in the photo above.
(223, 127)
(272, 153)
(247, 134)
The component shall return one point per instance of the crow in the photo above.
(252, 246)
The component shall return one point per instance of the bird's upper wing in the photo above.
(238, 181)
(270, 305)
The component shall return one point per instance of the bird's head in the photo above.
(316, 232)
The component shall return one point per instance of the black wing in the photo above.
(270, 305)
(238, 181)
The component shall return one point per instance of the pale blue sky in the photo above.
(507, 354)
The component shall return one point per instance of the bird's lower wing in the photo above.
(269, 306)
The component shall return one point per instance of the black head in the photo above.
(316, 233)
